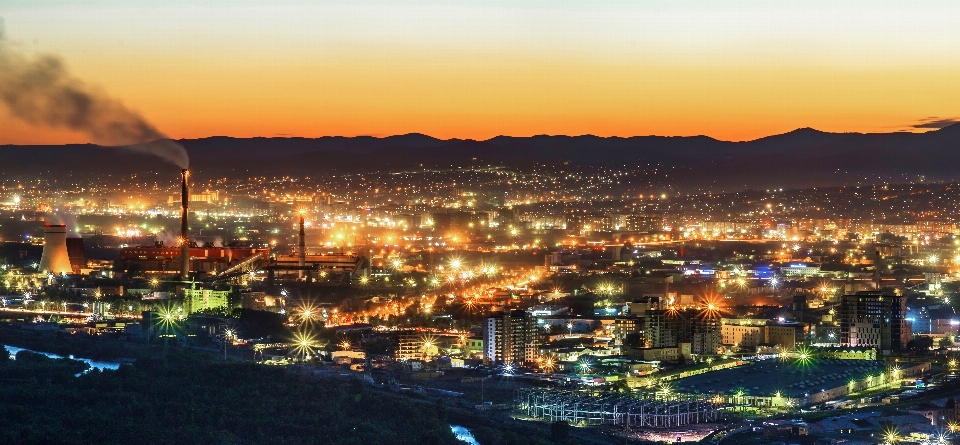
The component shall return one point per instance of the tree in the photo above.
(620, 386)
(920, 343)
(559, 431)
(945, 342)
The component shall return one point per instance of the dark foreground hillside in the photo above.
(181, 400)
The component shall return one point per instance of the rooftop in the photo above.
(766, 377)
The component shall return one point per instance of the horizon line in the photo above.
(917, 131)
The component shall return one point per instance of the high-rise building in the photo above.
(705, 334)
(510, 338)
(665, 328)
(629, 332)
(662, 328)
(413, 346)
(874, 320)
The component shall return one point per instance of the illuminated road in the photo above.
(61, 313)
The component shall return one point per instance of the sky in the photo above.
(729, 69)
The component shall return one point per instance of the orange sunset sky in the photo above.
(733, 70)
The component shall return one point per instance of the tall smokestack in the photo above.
(302, 246)
(879, 259)
(184, 230)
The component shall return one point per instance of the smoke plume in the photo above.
(68, 220)
(40, 91)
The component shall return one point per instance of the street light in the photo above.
(584, 366)
(303, 345)
(891, 436)
(227, 335)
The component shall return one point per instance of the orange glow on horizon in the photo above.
(464, 90)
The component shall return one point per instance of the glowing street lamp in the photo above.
(303, 345)
(891, 436)
(804, 357)
(584, 366)
(547, 364)
(665, 388)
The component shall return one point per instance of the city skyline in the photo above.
(732, 70)
(480, 222)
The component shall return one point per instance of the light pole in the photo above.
(227, 335)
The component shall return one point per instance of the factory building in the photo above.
(76, 254)
(340, 267)
(159, 259)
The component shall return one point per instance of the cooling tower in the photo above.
(55, 257)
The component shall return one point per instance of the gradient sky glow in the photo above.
(733, 70)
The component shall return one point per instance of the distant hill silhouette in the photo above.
(800, 158)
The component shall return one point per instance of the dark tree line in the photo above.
(180, 399)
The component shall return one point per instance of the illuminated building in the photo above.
(418, 346)
(195, 300)
(166, 260)
(751, 336)
(669, 327)
(339, 267)
(510, 338)
(459, 220)
(872, 319)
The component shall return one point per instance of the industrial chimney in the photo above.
(184, 230)
(302, 246)
(55, 257)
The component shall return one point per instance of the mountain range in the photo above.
(800, 158)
